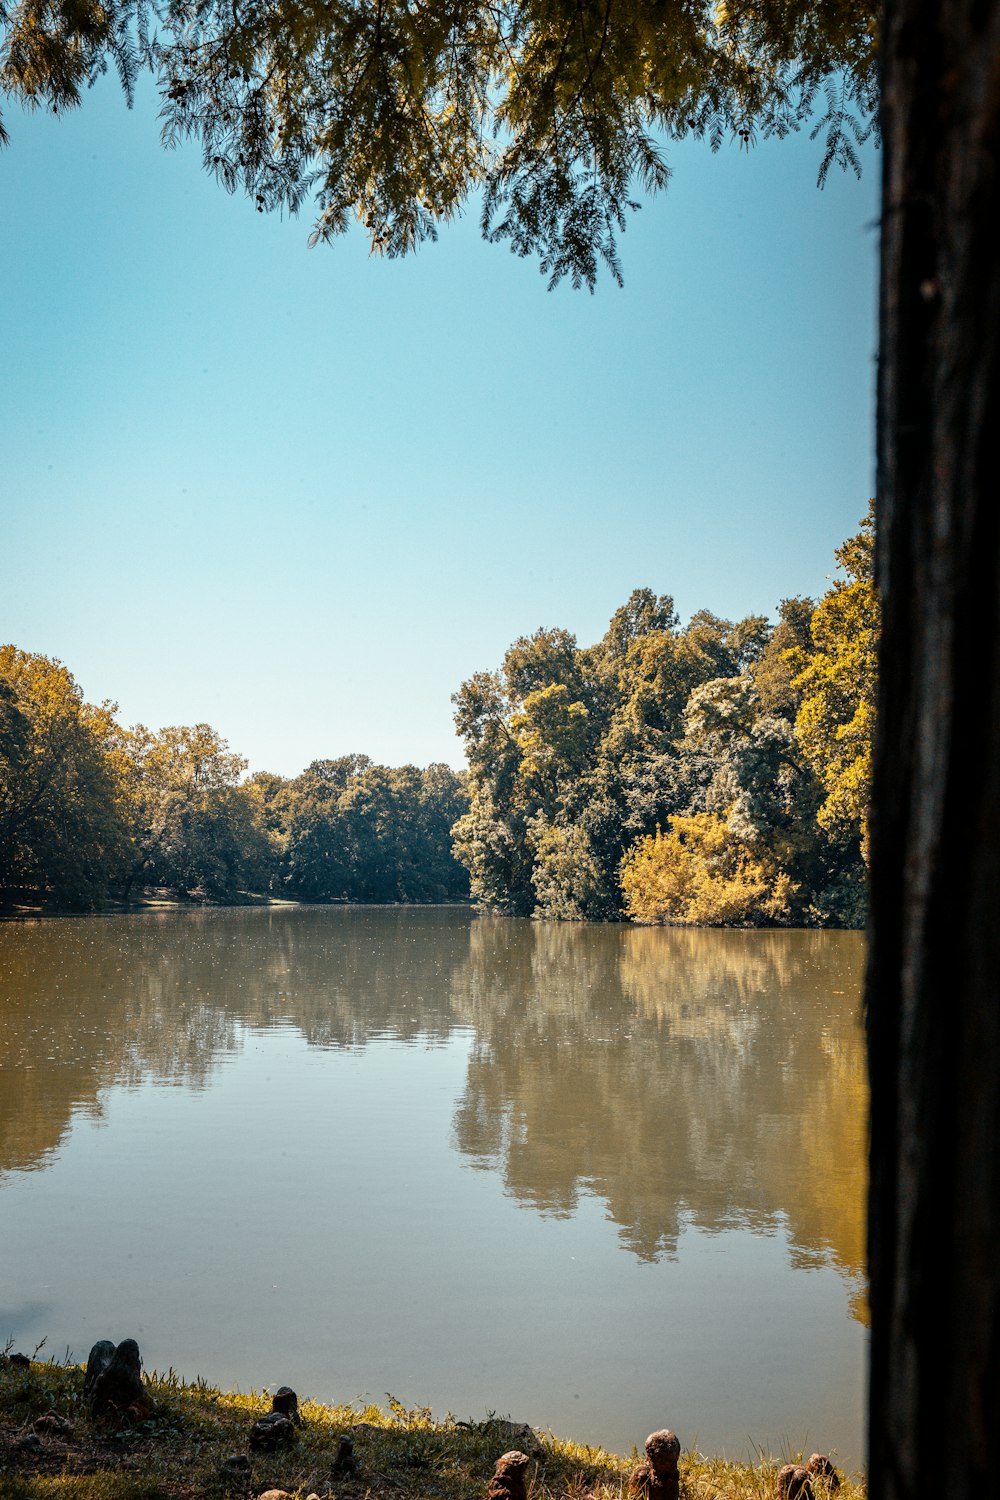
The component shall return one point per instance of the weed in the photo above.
(181, 1452)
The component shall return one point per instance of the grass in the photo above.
(403, 1454)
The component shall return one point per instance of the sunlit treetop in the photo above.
(555, 113)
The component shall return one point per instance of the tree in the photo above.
(62, 828)
(576, 754)
(773, 672)
(393, 114)
(837, 682)
(370, 95)
(566, 876)
(195, 824)
(933, 1018)
(347, 829)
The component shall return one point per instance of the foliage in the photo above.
(566, 876)
(701, 874)
(61, 823)
(727, 733)
(182, 1450)
(393, 114)
(352, 830)
(89, 807)
(751, 743)
(773, 673)
(193, 824)
(836, 681)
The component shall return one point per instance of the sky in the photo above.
(302, 494)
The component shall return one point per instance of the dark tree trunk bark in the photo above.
(934, 968)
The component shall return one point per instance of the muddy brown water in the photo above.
(600, 1179)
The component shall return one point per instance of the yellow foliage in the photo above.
(700, 874)
(835, 724)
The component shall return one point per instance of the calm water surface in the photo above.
(602, 1179)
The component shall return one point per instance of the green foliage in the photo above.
(566, 876)
(552, 738)
(194, 825)
(491, 841)
(727, 732)
(773, 673)
(351, 830)
(393, 114)
(89, 807)
(61, 815)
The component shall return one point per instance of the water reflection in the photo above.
(714, 1078)
(681, 1077)
(89, 1004)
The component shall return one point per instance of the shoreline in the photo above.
(187, 1439)
(150, 904)
(26, 911)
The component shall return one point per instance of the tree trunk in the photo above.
(934, 967)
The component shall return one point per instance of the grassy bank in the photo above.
(196, 1444)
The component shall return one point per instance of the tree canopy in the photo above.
(91, 808)
(60, 781)
(749, 742)
(393, 113)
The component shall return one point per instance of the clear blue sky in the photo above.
(302, 494)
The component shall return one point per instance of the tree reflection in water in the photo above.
(715, 1078)
(683, 1077)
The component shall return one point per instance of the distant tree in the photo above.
(197, 825)
(493, 846)
(553, 739)
(62, 828)
(350, 830)
(434, 872)
(773, 672)
(643, 613)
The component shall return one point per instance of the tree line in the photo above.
(713, 774)
(91, 809)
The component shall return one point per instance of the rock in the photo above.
(792, 1483)
(270, 1432)
(508, 1477)
(28, 1444)
(286, 1402)
(275, 1495)
(118, 1386)
(344, 1462)
(820, 1467)
(100, 1357)
(21, 1361)
(236, 1466)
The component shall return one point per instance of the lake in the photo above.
(602, 1179)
